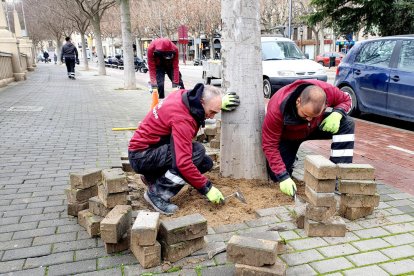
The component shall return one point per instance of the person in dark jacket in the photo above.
(46, 56)
(297, 113)
(163, 59)
(162, 149)
(70, 54)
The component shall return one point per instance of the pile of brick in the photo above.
(115, 229)
(212, 134)
(255, 256)
(358, 190)
(320, 180)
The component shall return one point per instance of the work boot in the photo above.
(146, 181)
(160, 205)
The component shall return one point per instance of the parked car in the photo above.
(323, 59)
(378, 74)
(197, 62)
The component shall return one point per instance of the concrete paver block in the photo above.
(183, 228)
(320, 199)
(177, 251)
(147, 256)
(278, 269)
(335, 264)
(333, 227)
(90, 222)
(357, 187)
(74, 208)
(145, 229)
(97, 207)
(251, 251)
(399, 267)
(368, 258)
(267, 235)
(354, 171)
(353, 213)
(80, 196)
(126, 166)
(85, 179)
(121, 245)
(114, 181)
(303, 257)
(215, 143)
(300, 221)
(271, 211)
(116, 224)
(111, 200)
(210, 131)
(368, 270)
(319, 185)
(359, 200)
(320, 167)
(320, 213)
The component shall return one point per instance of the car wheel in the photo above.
(267, 88)
(354, 111)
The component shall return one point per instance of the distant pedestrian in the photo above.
(46, 56)
(70, 53)
(55, 58)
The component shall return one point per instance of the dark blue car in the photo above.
(379, 76)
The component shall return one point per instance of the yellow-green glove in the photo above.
(288, 187)
(332, 122)
(214, 195)
(230, 101)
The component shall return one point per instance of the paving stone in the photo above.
(262, 221)
(230, 227)
(97, 207)
(320, 167)
(398, 252)
(39, 271)
(92, 253)
(13, 244)
(399, 228)
(193, 262)
(354, 171)
(11, 266)
(54, 238)
(349, 237)
(375, 222)
(85, 179)
(114, 181)
(72, 268)
(21, 253)
(145, 229)
(333, 227)
(73, 245)
(357, 187)
(289, 235)
(331, 265)
(57, 222)
(5, 236)
(218, 270)
(36, 218)
(148, 256)
(209, 246)
(75, 208)
(297, 258)
(401, 239)
(117, 271)
(10, 220)
(183, 228)
(111, 261)
(359, 200)
(80, 196)
(338, 250)
(23, 212)
(368, 258)
(121, 245)
(353, 213)
(398, 267)
(269, 236)
(300, 270)
(319, 185)
(371, 233)
(221, 258)
(271, 211)
(177, 251)
(383, 205)
(116, 223)
(111, 200)
(406, 209)
(400, 218)
(401, 196)
(251, 251)
(90, 222)
(279, 268)
(49, 260)
(401, 202)
(307, 243)
(69, 228)
(366, 271)
(371, 244)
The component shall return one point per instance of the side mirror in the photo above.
(307, 55)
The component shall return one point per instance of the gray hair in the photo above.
(210, 92)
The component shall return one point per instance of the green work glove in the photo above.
(288, 187)
(230, 101)
(332, 122)
(214, 195)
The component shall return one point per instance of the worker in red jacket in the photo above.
(300, 112)
(162, 149)
(163, 59)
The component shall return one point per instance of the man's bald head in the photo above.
(314, 95)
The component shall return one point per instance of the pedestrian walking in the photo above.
(70, 54)
(296, 113)
(46, 56)
(55, 58)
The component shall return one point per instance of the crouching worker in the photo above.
(162, 149)
(298, 112)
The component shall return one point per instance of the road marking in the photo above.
(401, 149)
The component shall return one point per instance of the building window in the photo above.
(295, 34)
(309, 33)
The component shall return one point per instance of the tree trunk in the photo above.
(99, 50)
(321, 41)
(129, 70)
(58, 48)
(138, 43)
(241, 150)
(85, 54)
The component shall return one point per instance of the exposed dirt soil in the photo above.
(258, 194)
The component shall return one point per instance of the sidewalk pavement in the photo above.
(51, 125)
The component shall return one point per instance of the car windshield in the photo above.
(278, 50)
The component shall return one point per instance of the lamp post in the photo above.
(301, 36)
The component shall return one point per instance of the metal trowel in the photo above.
(237, 194)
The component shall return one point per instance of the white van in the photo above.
(282, 61)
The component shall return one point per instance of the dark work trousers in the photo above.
(158, 166)
(160, 74)
(341, 148)
(70, 66)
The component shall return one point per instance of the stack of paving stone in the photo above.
(358, 190)
(83, 186)
(113, 190)
(255, 256)
(320, 179)
(144, 244)
(115, 229)
(180, 237)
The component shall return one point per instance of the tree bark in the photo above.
(85, 55)
(59, 45)
(101, 62)
(129, 70)
(241, 150)
(139, 48)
